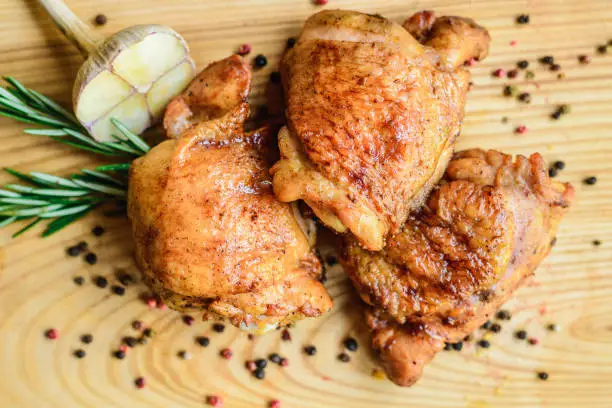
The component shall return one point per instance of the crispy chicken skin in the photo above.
(209, 232)
(372, 116)
(483, 230)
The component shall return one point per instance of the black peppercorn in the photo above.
(218, 327)
(97, 230)
(543, 375)
(484, 343)
(130, 341)
(118, 290)
(78, 280)
(602, 49)
(552, 172)
(101, 282)
(596, 242)
(120, 354)
(522, 64)
(486, 325)
(260, 61)
(125, 278)
(310, 350)
(448, 347)
(91, 258)
(503, 315)
(261, 363)
(203, 341)
(87, 338)
(275, 358)
(590, 180)
(291, 42)
(80, 353)
(345, 358)
(100, 19)
(555, 67)
(259, 373)
(458, 346)
(73, 251)
(521, 334)
(351, 344)
(548, 59)
(522, 19)
(559, 165)
(556, 114)
(495, 328)
(137, 325)
(525, 97)
(148, 332)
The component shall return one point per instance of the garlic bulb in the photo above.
(130, 76)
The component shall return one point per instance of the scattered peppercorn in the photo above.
(284, 362)
(321, 2)
(130, 341)
(510, 90)
(97, 231)
(503, 315)
(51, 334)
(458, 346)
(91, 258)
(523, 64)
(137, 325)
(82, 245)
(261, 363)
(552, 172)
(244, 49)
(79, 353)
(596, 242)
(119, 354)
(564, 109)
(548, 59)
(543, 375)
(584, 59)
(559, 165)
(291, 42)
(345, 358)
(553, 327)
(521, 334)
(496, 328)
(250, 365)
(310, 350)
(125, 278)
(513, 73)
(226, 353)
(184, 355)
(188, 320)
(484, 343)
(555, 67)
(100, 19)
(259, 373)
(602, 49)
(467, 338)
(285, 335)
(275, 77)
(533, 341)
(250, 336)
(590, 180)
(218, 327)
(73, 251)
(87, 338)
(525, 97)
(275, 358)
(203, 341)
(529, 75)
(118, 290)
(499, 73)
(143, 340)
(214, 401)
(522, 19)
(504, 119)
(351, 344)
(556, 114)
(274, 404)
(139, 382)
(148, 332)
(101, 282)
(260, 61)
(521, 129)
(78, 280)
(486, 325)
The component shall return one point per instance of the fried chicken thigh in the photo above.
(209, 233)
(372, 115)
(483, 230)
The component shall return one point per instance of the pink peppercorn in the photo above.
(470, 63)
(151, 302)
(284, 362)
(123, 348)
(522, 129)
(499, 73)
(161, 305)
(274, 404)
(214, 401)
(244, 49)
(51, 334)
(251, 366)
(513, 43)
(321, 2)
(513, 73)
(584, 59)
(285, 335)
(226, 353)
(533, 341)
(140, 382)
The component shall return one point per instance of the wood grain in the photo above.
(572, 288)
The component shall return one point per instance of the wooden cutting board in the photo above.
(573, 288)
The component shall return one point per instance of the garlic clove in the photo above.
(169, 86)
(132, 112)
(100, 95)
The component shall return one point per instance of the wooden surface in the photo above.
(573, 288)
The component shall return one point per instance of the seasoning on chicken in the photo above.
(372, 115)
(209, 232)
(484, 229)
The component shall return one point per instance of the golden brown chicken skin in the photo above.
(210, 235)
(484, 229)
(372, 116)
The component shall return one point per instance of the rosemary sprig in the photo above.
(60, 200)
(29, 106)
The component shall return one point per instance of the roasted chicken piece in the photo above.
(484, 229)
(372, 115)
(209, 232)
